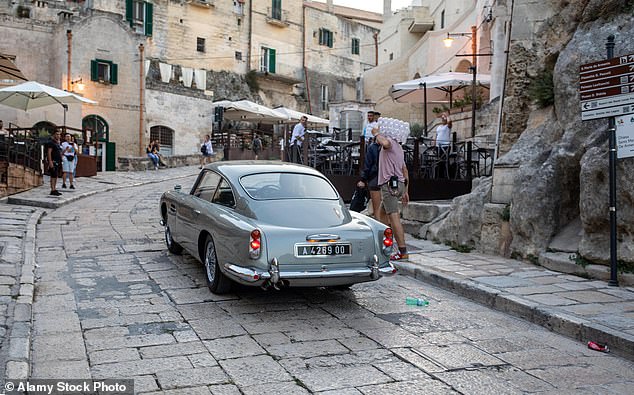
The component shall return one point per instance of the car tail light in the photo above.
(255, 244)
(388, 237)
(388, 241)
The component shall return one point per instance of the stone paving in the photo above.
(110, 302)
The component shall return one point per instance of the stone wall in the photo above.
(560, 162)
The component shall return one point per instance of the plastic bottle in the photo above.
(416, 301)
(598, 346)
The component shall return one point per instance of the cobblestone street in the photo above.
(111, 302)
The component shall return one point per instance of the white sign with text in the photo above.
(625, 136)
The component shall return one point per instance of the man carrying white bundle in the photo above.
(393, 179)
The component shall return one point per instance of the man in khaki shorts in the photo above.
(393, 179)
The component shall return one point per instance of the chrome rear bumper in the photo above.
(274, 274)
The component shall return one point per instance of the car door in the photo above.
(194, 208)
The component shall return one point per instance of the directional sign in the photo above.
(590, 85)
(607, 112)
(607, 88)
(625, 136)
(613, 101)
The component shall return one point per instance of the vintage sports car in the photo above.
(273, 224)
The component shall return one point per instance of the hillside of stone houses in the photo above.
(555, 164)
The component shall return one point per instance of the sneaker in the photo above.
(399, 256)
(72, 186)
(56, 193)
(63, 185)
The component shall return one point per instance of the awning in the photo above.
(294, 116)
(9, 72)
(248, 111)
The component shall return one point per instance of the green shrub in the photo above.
(252, 81)
(541, 89)
(506, 213)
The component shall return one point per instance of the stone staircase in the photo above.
(417, 216)
(562, 257)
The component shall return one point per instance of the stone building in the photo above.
(155, 67)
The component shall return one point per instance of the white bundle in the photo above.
(394, 129)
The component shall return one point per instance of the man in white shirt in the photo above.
(372, 124)
(297, 138)
(443, 131)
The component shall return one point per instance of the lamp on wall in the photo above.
(77, 84)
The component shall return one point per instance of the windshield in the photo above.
(272, 186)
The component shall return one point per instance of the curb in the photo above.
(18, 360)
(59, 203)
(621, 343)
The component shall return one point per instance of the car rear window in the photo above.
(272, 186)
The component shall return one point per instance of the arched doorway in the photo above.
(42, 130)
(99, 131)
(165, 136)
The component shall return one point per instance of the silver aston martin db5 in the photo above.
(273, 224)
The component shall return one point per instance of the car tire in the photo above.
(172, 246)
(217, 282)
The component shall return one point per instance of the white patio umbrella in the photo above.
(31, 94)
(294, 116)
(415, 91)
(248, 111)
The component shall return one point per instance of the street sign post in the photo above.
(606, 88)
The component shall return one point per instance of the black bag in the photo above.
(203, 149)
(359, 199)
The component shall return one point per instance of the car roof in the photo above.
(234, 169)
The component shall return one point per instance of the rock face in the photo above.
(562, 162)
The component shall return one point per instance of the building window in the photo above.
(200, 44)
(267, 60)
(139, 15)
(103, 71)
(165, 136)
(392, 56)
(276, 10)
(325, 37)
(442, 19)
(238, 55)
(355, 46)
(324, 97)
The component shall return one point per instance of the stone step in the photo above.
(425, 211)
(411, 227)
(564, 262)
(568, 239)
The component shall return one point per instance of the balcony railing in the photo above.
(276, 16)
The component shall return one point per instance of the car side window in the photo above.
(224, 194)
(206, 186)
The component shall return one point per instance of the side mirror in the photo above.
(177, 187)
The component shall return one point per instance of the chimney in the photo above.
(331, 7)
(387, 9)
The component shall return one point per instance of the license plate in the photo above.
(315, 249)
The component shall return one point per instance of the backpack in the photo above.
(203, 149)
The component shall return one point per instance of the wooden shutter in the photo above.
(114, 71)
(330, 34)
(94, 70)
(271, 60)
(129, 11)
(149, 11)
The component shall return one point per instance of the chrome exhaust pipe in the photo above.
(374, 274)
(274, 271)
